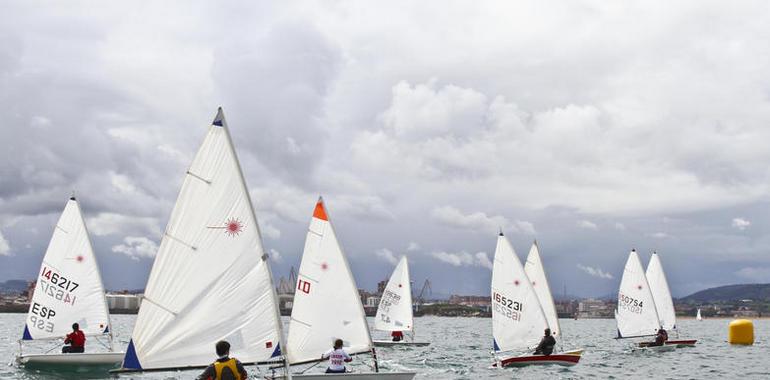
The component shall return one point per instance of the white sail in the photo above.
(395, 310)
(327, 305)
(636, 314)
(698, 317)
(536, 273)
(69, 287)
(518, 320)
(211, 279)
(656, 277)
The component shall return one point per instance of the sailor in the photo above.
(76, 340)
(225, 367)
(337, 358)
(397, 336)
(546, 344)
(661, 337)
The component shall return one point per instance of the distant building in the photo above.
(372, 301)
(124, 303)
(593, 308)
(381, 286)
(480, 301)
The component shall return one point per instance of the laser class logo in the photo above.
(233, 227)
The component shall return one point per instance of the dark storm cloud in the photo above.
(593, 127)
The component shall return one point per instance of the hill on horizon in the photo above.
(755, 292)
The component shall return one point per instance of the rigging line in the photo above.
(199, 177)
(306, 369)
(63, 230)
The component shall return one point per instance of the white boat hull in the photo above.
(663, 348)
(390, 343)
(85, 358)
(356, 376)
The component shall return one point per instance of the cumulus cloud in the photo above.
(587, 224)
(271, 231)
(275, 256)
(413, 246)
(595, 272)
(659, 235)
(5, 248)
(620, 226)
(741, 223)
(108, 223)
(137, 247)
(460, 259)
(478, 221)
(387, 255)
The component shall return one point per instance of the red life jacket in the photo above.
(77, 339)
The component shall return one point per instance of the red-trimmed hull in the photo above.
(569, 358)
(682, 343)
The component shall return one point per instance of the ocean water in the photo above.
(460, 349)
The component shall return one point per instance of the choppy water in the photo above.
(460, 350)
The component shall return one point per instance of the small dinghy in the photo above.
(663, 302)
(327, 305)
(637, 315)
(69, 290)
(394, 312)
(698, 317)
(518, 318)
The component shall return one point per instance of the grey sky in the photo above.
(592, 126)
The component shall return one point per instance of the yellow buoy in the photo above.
(741, 331)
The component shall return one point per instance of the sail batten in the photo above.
(210, 280)
(394, 312)
(69, 286)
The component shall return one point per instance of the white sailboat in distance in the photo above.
(69, 290)
(663, 302)
(327, 305)
(698, 317)
(518, 319)
(211, 278)
(394, 312)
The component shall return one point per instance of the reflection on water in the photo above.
(460, 349)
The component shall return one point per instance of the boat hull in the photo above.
(568, 358)
(682, 343)
(80, 359)
(389, 343)
(356, 376)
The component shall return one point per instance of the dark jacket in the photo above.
(546, 345)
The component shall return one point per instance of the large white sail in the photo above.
(211, 279)
(69, 287)
(395, 310)
(327, 305)
(518, 320)
(636, 314)
(536, 273)
(656, 277)
(698, 316)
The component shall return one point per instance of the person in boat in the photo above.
(337, 358)
(660, 338)
(225, 367)
(546, 344)
(75, 340)
(397, 336)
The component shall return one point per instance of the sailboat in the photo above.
(211, 278)
(663, 302)
(327, 305)
(394, 312)
(518, 319)
(698, 317)
(69, 290)
(637, 315)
